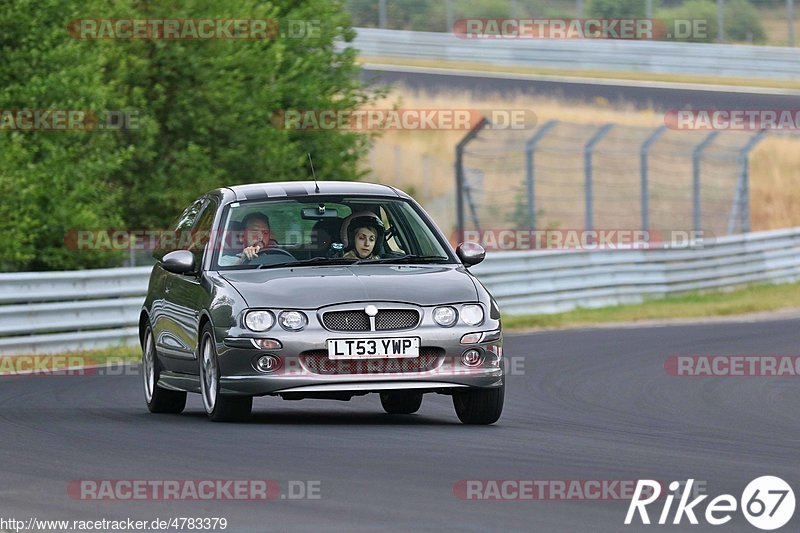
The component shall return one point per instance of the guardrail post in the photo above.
(741, 203)
(644, 153)
(697, 155)
(588, 149)
(460, 185)
(530, 146)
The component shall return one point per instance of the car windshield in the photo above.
(327, 230)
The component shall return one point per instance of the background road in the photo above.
(640, 94)
(590, 404)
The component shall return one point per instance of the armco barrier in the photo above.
(742, 61)
(43, 312)
(554, 281)
(50, 312)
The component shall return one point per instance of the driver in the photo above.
(364, 233)
(256, 236)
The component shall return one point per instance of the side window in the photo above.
(393, 241)
(201, 232)
(186, 220)
(180, 236)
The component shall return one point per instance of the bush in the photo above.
(616, 9)
(205, 118)
(742, 22)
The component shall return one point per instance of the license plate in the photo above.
(373, 348)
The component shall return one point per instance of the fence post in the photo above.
(644, 152)
(697, 155)
(741, 202)
(530, 146)
(462, 144)
(588, 149)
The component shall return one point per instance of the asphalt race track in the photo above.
(592, 404)
(640, 94)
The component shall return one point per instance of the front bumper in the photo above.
(442, 371)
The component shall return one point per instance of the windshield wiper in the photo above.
(411, 258)
(313, 260)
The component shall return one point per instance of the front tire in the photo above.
(401, 403)
(158, 400)
(218, 407)
(479, 406)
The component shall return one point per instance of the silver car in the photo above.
(329, 290)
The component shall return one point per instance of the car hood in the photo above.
(311, 287)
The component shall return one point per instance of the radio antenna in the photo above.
(316, 185)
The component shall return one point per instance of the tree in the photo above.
(205, 110)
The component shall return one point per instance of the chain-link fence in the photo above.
(608, 176)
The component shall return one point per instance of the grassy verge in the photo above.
(752, 299)
(600, 74)
(76, 359)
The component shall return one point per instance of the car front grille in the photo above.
(346, 321)
(317, 361)
(357, 320)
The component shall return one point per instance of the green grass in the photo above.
(115, 355)
(751, 299)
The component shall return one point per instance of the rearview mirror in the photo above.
(317, 213)
(470, 253)
(178, 262)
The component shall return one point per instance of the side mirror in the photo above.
(470, 253)
(178, 262)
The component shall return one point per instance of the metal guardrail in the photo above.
(554, 281)
(48, 312)
(704, 59)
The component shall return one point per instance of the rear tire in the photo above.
(218, 407)
(158, 400)
(479, 406)
(401, 403)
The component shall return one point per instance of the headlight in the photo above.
(259, 320)
(445, 316)
(472, 314)
(293, 320)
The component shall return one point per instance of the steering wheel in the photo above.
(271, 251)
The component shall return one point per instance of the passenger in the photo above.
(322, 234)
(364, 237)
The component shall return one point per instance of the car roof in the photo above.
(278, 189)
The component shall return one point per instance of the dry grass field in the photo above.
(422, 162)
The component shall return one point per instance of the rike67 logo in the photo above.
(767, 503)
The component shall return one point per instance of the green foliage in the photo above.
(616, 8)
(742, 22)
(205, 112)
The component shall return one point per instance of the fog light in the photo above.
(268, 363)
(268, 344)
(472, 358)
